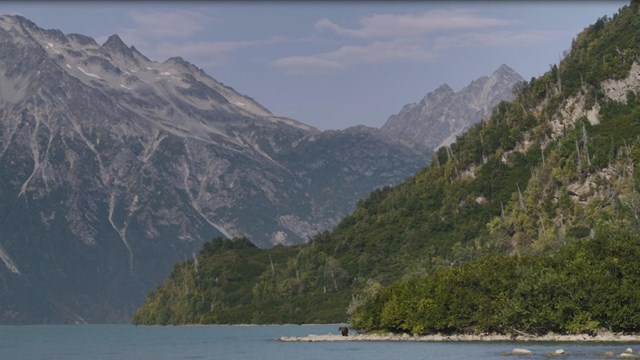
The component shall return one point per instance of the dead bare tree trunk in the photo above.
(579, 157)
(273, 268)
(484, 155)
(544, 229)
(585, 139)
(520, 199)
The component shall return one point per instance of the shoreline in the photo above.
(551, 337)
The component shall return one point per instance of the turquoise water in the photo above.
(123, 342)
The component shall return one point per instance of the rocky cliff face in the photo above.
(444, 114)
(113, 167)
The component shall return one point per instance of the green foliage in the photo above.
(589, 285)
(602, 51)
(215, 287)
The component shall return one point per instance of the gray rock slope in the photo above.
(444, 114)
(113, 167)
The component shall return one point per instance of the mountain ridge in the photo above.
(443, 114)
(117, 166)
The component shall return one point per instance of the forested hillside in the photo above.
(586, 287)
(533, 192)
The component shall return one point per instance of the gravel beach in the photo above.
(551, 337)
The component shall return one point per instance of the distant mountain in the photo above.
(115, 166)
(444, 114)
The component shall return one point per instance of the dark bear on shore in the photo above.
(344, 330)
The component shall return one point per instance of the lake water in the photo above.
(123, 342)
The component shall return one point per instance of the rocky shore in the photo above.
(551, 337)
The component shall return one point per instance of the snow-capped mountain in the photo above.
(444, 114)
(114, 166)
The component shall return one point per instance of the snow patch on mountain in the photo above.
(6, 259)
(88, 73)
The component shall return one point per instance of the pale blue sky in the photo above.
(334, 64)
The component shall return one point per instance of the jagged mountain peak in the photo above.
(17, 20)
(114, 41)
(83, 40)
(444, 89)
(115, 67)
(440, 94)
(137, 54)
(443, 114)
(20, 26)
(115, 44)
(178, 60)
(506, 73)
(505, 69)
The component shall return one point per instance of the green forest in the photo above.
(587, 286)
(527, 223)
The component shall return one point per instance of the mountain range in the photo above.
(115, 166)
(527, 223)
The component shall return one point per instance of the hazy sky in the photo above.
(334, 64)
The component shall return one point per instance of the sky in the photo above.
(334, 64)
